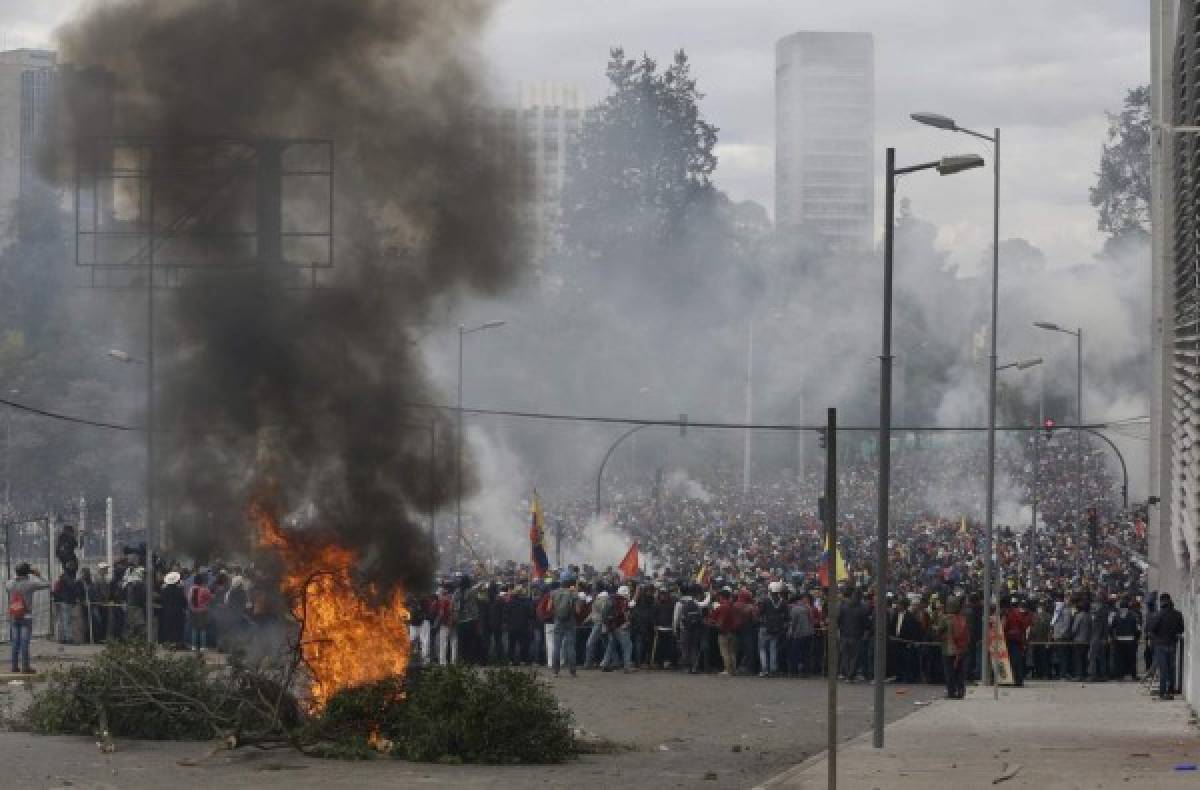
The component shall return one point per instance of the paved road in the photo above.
(1044, 736)
(676, 730)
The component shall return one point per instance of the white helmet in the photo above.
(623, 591)
(775, 587)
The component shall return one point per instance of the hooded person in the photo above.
(174, 608)
(1163, 632)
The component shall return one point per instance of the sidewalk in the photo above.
(1104, 735)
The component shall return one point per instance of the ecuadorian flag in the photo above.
(823, 571)
(537, 538)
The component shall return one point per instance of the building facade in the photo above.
(538, 133)
(1174, 529)
(825, 136)
(27, 85)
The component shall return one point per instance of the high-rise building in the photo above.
(542, 126)
(825, 136)
(27, 80)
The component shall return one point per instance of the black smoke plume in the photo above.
(297, 394)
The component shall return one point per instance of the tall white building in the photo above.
(27, 80)
(544, 124)
(825, 136)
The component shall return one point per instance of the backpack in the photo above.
(960, 633)
(692, 616)
(17, 608)
(564, 608)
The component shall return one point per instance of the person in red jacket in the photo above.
(1017, 621)
(726, 620)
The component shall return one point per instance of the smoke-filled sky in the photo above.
(1043, 71)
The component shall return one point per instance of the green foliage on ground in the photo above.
(439, 714)
(454, 714)
(129, 690)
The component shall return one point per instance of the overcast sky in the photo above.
(1044, 71)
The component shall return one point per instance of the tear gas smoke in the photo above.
(293, 394)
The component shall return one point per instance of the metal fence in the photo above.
(31, 539)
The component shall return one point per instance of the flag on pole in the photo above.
(537, 538)
(832, 552)
(629, 566)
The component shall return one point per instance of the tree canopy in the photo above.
(644, 159)
(1122, 191)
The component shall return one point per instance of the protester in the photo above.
(21, 591)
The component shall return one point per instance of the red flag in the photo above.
(629, 566)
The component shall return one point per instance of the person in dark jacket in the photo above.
(1126, 632)
(911, 631)
(641, 626)
(1164, 631)
(174, 611)
(517, 618)
(852, 626)
(1098, 643)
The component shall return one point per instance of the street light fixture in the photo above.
(945, 166)
(124, 356)
(949, 124)
(1024, 364)
(458, 450)
(1078, 335)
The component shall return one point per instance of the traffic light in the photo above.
(1048, 427)
(821, 438)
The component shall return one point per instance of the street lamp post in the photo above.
(1026, 364)
(8, 414)
(458, 450)
(1078, 335)
(945, 166)
(948, 124)
(126, 358)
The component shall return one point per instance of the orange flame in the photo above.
(347, 639)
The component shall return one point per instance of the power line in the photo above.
(67, 417)
(612, 420)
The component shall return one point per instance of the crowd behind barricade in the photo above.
(196, 608)
(734, 585)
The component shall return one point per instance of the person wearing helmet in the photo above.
(772, 627)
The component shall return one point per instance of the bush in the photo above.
(455, 714)
(130, 690)
(437, 714)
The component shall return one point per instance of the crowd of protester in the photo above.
(735, 581)
(732, 583)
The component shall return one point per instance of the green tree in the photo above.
(1122, 191)
(644, 159)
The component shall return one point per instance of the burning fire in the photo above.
(347, 640)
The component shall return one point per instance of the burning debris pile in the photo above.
(346, 639)
(301, 390)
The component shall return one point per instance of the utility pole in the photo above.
(831, 630)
